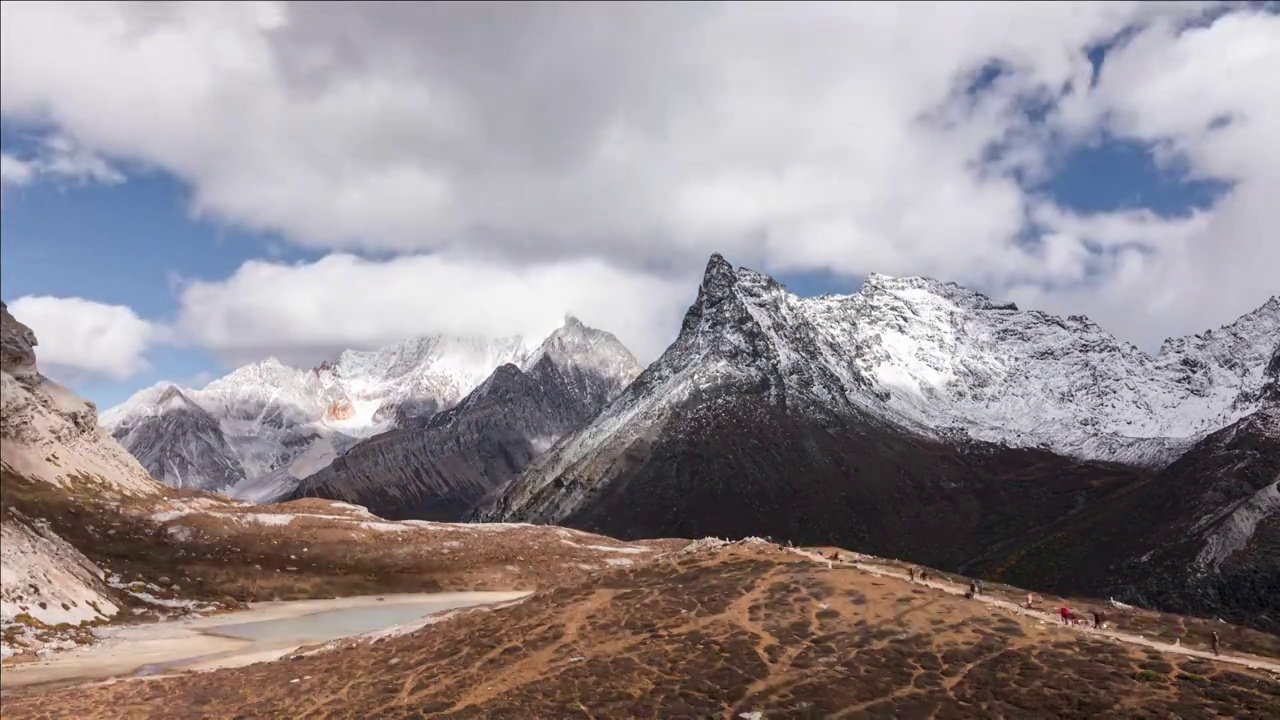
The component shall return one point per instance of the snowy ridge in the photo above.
(935, 359)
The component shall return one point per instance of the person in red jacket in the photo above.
(1066, 615)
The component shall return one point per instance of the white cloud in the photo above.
(796, 136)
(59, 158)
(79, 338)
(63, 157)
(308, 312)
(1209, 98)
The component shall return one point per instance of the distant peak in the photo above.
(571, 322)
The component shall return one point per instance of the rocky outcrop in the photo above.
(51, 440)
(17, 344)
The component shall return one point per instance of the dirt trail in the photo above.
(1132, 639)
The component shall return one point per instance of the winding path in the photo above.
(1130, 638)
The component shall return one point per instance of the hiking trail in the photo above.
(952, 588)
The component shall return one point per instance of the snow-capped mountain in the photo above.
(914, 419)
(942, 362)
(440, 468)
(255, 431)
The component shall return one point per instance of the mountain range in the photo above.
(914, 419)
(256, 432)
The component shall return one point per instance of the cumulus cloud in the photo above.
(80, 338)
(1208, 100)
(630, 140)
(310, 311)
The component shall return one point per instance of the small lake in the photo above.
(334, 624)
(264, 632)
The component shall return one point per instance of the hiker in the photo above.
(1215, 642)
(1066, 615)
(977, 586)
(1094, 615)
(913, 573)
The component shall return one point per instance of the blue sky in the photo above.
(1133, 153)
(122, 244)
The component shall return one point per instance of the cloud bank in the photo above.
(503, 163)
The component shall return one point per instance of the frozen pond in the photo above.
(266, 631)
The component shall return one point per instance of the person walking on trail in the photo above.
(913, 573)
(977, 586)
(1215, 642)
(1065, 612)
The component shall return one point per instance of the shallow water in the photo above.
(333, 624)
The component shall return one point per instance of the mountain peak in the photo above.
(571, 322)
(718, 278)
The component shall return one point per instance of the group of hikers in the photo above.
(975, 586)
(1069, 616)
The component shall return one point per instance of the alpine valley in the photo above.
(913, 419)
